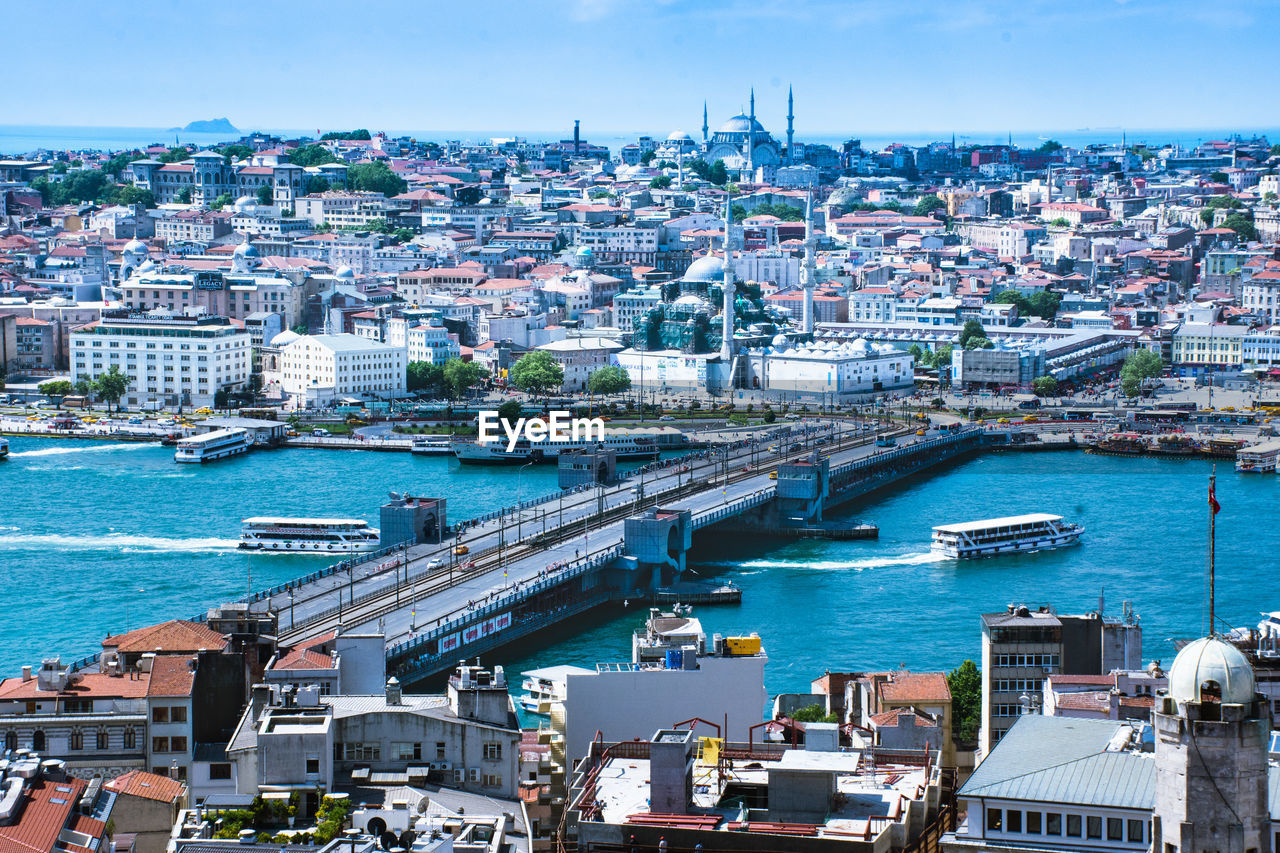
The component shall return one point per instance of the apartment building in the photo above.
(320, 369)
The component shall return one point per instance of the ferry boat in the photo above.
(545, 687)
(1175, 444)
(1121, 444)
(496, 453)
(426, 446)
(210, 446)
(1221, 447)
(329, 535)
(4, 447)
(1033, 532)
(1258, 458)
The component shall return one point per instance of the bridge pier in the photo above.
(658, 540)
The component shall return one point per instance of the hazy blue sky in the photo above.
(858, 66)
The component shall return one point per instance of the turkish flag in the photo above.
(1213, 501)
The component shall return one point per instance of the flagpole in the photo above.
(1213, 514)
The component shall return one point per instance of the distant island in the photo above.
(214, 125)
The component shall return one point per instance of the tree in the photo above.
(1050, 146)
(1060, 222)
(403, 235)
(1242, 225)
(377, 178)
(813, 714)
(510, 412)
(611, 379)
(315, 184)
(117, 164)
(1270, 198)
(942, 359)
(647, 157)
(1044, 304)
(311, 155)
(356, 135)
(1013, 297)
(972, 331)
(265, 196)
(112, 385)
(1141, 365)
(718, 174)
(537, 373)
(130, 195)
(699, 167)
(928, 204)
(220, 398)
(1218, 177)
(769, 416)
(422, 375)
(175, 155)
(660, 182)
(965, 682)
(917, 353)
(184, 195)
(83, 387)
(222, 201)
(235, 151)
(460, 375)
(56, 388)
(1044, 386)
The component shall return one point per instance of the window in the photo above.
(78, 706)
(160, 714)
(1053, 824)
(1135, 831)
(313, 766)
(219, 771)
(38, 741)
(1095, 826)
(994, 819)
(1033, 823)
(492, 750)
(440, 750)
(159, 744)
(492, 780)
(406, 752)
(1014, 820)
(177, 744)
(10, 740)
(1073, 825)
(76, 740)
(130, 739)
(360, 752)
(1115, 829)
(178, 714)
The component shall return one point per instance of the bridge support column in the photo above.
(803, 487)
(658, 540)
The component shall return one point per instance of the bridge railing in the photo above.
(734, 507)
(515, 593)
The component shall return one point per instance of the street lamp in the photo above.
(519, 508)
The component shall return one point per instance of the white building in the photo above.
(580, 357)
(431, 342)
(174, 360)
(828, 368)
(319, 369)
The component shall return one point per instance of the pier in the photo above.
(493, 580)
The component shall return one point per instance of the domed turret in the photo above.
(245, 258)
(288, 336)
(344, 273)
(709, 268)
(1211, 661)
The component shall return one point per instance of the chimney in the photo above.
(577, 137)
(26, 672)
(393, 691)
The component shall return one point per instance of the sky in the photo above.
(858, 66)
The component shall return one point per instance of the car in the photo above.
(319, 431)
(460, 550)
(666, 418)
(792, 417)
(291, 433)
(919, 432)
(773, 475)
(204, 410)
(40, 404)
(135, 420)
(435, 563)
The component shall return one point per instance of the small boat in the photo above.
(992, 536)
(1221, 448)
(4, 447)
(212, 446)
(438, 445)
(1175, 444)
(1120, 444)
(170, 439)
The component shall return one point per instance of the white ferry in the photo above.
(218, 444)
(329, 535)
(496, 453)
(1034, 532)
(545, 687)
(1259, 458)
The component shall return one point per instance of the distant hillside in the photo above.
(214, 125)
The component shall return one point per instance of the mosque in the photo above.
(741, 142)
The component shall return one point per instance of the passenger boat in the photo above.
(218, 444)
(1221, 448)
(545, 687)
(303, 535)
(4, 447)
(1258, 458)
(1033, 532)
(1175, 444)
(496, 453)
(426, 446)
(1121, 444)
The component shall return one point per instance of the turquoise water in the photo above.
(97, 537)
(887, 603)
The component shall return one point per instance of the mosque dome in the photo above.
(741, 124)
(135, 247)
(584, 252)
(345, 273)
(288, 336)
(1211, 659)
(244, 250)
(708, 268)
(780, 342)
(692, 302)
(842, 197)
(679, 136)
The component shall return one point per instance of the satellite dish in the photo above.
(407, 838)
(395, 496)
(388, 840)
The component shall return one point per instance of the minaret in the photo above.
(809, 273)
(726, 318)
(751, 138)
(705, 138)
(791, 130)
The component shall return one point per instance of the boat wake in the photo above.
(122, 542)
(836, 565)
(97, 448)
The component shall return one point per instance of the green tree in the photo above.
(460, 375)
(718, 174)
(1275, 150)
(83, 387)
(610, 379)
(1013, 297)
(220, 398)
(660, 182)
(315, 184)
(112, 385)
(1218, 177)
(129, 195)
(222, 201)
(56, 388)
(971, 331)
(1044, 304)
(769, 415)
(1140, 365)
(965, 682)
(1270, 198)
(422, 375)
(265, 196)
(376, 177)
(699, 167)
(511, 412)
(647, 157)
(184, 195)
(928, 204)
(1044, 386)
(311, 155)
(175, 155)
(813, 714)
(117, 164)
(359, 134)
(403, 235)
(1060, 222)
(1242, 225)
(536, 373)
(1050, 146)
(235, 151)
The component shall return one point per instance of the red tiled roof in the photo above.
(41, 819)
(304, 659)
(150, 786)
(172, 675)
(86, 685)
(891, 718)
(176, 635)
(915, 687)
